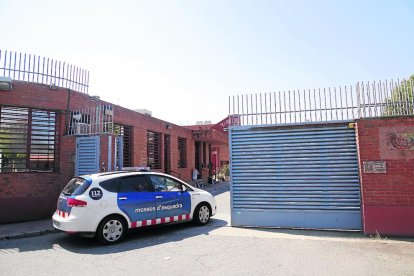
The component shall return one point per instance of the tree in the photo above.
(401, 101)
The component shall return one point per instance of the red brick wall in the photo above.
(387, 198)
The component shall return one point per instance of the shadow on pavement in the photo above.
(136, 239)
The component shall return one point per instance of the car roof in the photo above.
(109, 175)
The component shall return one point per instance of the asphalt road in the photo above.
(215, 249)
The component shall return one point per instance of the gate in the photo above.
(87, 155)
(295, 177)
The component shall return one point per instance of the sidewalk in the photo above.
(26, 229)
(41, 227)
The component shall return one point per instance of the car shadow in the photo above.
(135, 239)
(138, 238)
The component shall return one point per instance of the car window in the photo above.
(111, 185)
(76, 186)
(165, 184)
(136, 183)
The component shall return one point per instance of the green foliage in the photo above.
(401, 101)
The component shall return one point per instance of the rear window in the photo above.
(76, 186)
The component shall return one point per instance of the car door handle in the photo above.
(123, 198)
(159, 197)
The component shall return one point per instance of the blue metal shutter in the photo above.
(301, 177)
(87, 155)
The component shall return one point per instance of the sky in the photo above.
(183, 59)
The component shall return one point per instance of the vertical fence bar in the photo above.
(284, 101)
(300, 107)
(304, 104)
(24, 67)
(29, 70)
(14, 65)
(10, 63)
(364, 110)
(369, 99)
(398, 96)
(242, 110)
(406, 93)
(274, 102)
(374, 96)
(238, 106)
(412, 96)
(270, 108)
(55, 74)
(256, 115)
(315, 106)
(4, 63)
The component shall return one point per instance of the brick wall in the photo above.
(387, 198)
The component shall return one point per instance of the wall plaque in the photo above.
(375, 167)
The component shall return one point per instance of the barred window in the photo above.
(126, 133)
(28, 140)
(153, 150)
(182, 152)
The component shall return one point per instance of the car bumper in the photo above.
(71, 224)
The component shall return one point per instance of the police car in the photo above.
(106, 205)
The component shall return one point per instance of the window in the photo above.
(136, 183)
(28, 140)
(165, 184)
(126, 133)
(111, 185)
(182, 152)
(153, 150)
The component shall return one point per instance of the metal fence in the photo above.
(32, 68)
(91, 120)
(344, 103)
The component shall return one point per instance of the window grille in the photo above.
(28, 139)
(153, 150)
(182, 151)
(126, 132)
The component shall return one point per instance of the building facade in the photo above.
(51, 130)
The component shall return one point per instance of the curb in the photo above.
(28, 234)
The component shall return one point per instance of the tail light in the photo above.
(73, 202)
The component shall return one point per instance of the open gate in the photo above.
(295, 177)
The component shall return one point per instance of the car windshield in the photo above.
(76, 186)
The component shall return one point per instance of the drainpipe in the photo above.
(67, 112)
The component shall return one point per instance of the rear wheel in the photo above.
(201, 214)
(111, 230)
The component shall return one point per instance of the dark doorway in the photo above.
(167, 153)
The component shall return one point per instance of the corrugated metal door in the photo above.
(87, 155)
(300, 177)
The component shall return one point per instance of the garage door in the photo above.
(300, 177)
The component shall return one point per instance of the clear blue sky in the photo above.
(182, 59)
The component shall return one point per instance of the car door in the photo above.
(172, 199)
(136, 198)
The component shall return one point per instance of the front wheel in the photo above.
(111, 230)
(201, 214)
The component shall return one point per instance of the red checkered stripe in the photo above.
(149, 222)
(62, 214)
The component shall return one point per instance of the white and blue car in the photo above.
(106, 205)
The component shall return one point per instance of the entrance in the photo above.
(295, 177)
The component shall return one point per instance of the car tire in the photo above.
(111, 230)
(202, 214)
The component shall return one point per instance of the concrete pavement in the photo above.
(214, 249)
